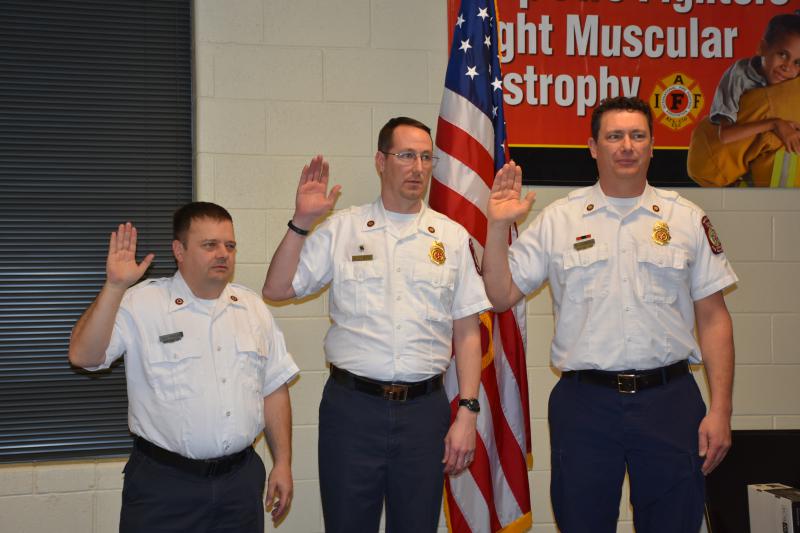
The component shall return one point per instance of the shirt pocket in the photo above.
(661, 272)
(171, 367)
(434, 288)
(251, 355)
(359, 287)
(585, 273)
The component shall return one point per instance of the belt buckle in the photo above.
(395, 392)
(626, 383)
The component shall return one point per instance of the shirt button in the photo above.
(398, 298)
(627, 308)
(219, 348)
(397, 269)
(227, 413)
(625, 280)
(398, 326)
(224, 380)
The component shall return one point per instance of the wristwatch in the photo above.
(470, 403)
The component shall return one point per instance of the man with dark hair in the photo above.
(206, 370)
(631, 268)
(405, 294)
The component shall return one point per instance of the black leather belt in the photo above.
(630, 381)
(386, 389)
(200, 467)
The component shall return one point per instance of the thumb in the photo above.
(702, 445)
(146, 262)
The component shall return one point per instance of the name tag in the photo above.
(365, 257)
(171, 337)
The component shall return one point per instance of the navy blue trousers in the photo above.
(597, 432)
(373, 450)
(161, 499)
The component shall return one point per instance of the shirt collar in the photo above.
(182, 297)
(375, 219)
(648, 201)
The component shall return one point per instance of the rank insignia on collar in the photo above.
(436, 253)
(661, 234)
(582, 242)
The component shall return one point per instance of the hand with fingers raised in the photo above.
(313, 200)
(122, 270)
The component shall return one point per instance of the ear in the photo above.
(380, 162)
(177, 250)
(592, 147)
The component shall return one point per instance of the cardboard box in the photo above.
(774, 508)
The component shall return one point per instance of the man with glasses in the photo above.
(405, 294)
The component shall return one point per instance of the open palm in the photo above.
(121, 268)
(505, 204)
(313, 199)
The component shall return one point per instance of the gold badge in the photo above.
(437, 253)
(661, 234)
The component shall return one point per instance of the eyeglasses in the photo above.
(409, 157)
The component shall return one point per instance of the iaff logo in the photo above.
(676, 101)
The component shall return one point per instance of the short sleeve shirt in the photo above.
(739, 78)
(197, 375)
(394, 295)
(623, 287)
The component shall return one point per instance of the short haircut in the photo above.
(780, 26)
(183, 217)
(620, 103)
(387, 131)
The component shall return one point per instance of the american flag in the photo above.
(493, 495)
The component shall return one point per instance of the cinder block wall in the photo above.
(278, 81)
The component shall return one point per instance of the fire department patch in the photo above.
(676, 101)
(711, 235)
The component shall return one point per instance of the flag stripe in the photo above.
(460, 145)
(463, 114)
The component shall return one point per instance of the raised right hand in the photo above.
(505, 204)
(121, 268)
(313, 199)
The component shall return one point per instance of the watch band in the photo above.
(300, 231)
(470, 403)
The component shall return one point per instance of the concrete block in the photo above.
(306, 512)
(304, 453)
(204, 69)
(751, 422)
(766, 390)
(751, 338)
(760, 199)
(230, 126)
(784, 339)
(248, 182)
(63, 477)
(539, 482)
(331, 129)
(707, 198)
(409, 25)
(204, 178)
(16, 479)
(306, 393)
(786, 244)
(250, 228)
(317, 22)
(65, 513)
(311, 306)
(744, 236)
(304, 338)
(369, 75)
(107, 505)
(765, 288)
(274, 73)
(540, 301)
(787, 422)
(276, 228)
(540, 435)
(228, 21)
(540, 335)
(251, 275)
(541, 381)
(108, 473)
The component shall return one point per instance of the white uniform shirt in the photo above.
(392, 305)
(626, 302)
(200, 395)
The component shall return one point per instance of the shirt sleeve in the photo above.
(120, 336)
(528, 257)
(711, 271)
(470, 294)
(315, 268)
(281, 367)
